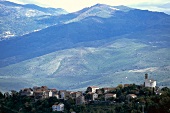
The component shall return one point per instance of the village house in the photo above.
(106, 90)
(54, 91)
(38, 94)
(47, 94)
(26, 92)
(64, 94)
(42, 92)
(59, 107)
(92, 89)
(42, 88)
(54, 108)
(92, 96)
(131, 96)
(109, 95)
(75, 94)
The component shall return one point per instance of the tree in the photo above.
(120, 86)
(1, 95)
(111, 98)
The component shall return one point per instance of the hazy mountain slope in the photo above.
(99, 10)
(16, 19)
(100, 45)
(88, 29)
(109, 64)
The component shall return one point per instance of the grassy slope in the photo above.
(106, 65)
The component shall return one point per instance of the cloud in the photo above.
(74, 5)
(154, 7)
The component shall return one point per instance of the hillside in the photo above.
(91, 28)
(17, 20)
(100, 45)
(106, 65)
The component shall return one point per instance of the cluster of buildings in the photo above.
(38, 92)
(92, 93)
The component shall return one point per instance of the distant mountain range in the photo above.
(17, 20)
(99, 45)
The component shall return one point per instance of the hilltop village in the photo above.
(127, 98)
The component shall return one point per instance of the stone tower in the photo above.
(146, 76)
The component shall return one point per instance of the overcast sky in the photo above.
(75, 5)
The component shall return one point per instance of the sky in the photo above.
(75, 5)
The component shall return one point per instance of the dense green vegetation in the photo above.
(147, 99)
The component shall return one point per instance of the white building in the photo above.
(50, 93)
(149, 82)
(59, 107)
(92, 96)
(92, 89)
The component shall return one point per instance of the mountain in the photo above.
(114, 62)
(99, 45)
(17, 20)
(99, 10)
(91, 28)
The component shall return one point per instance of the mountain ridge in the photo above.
(92, 50)
(17, 19)
(64, 36)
